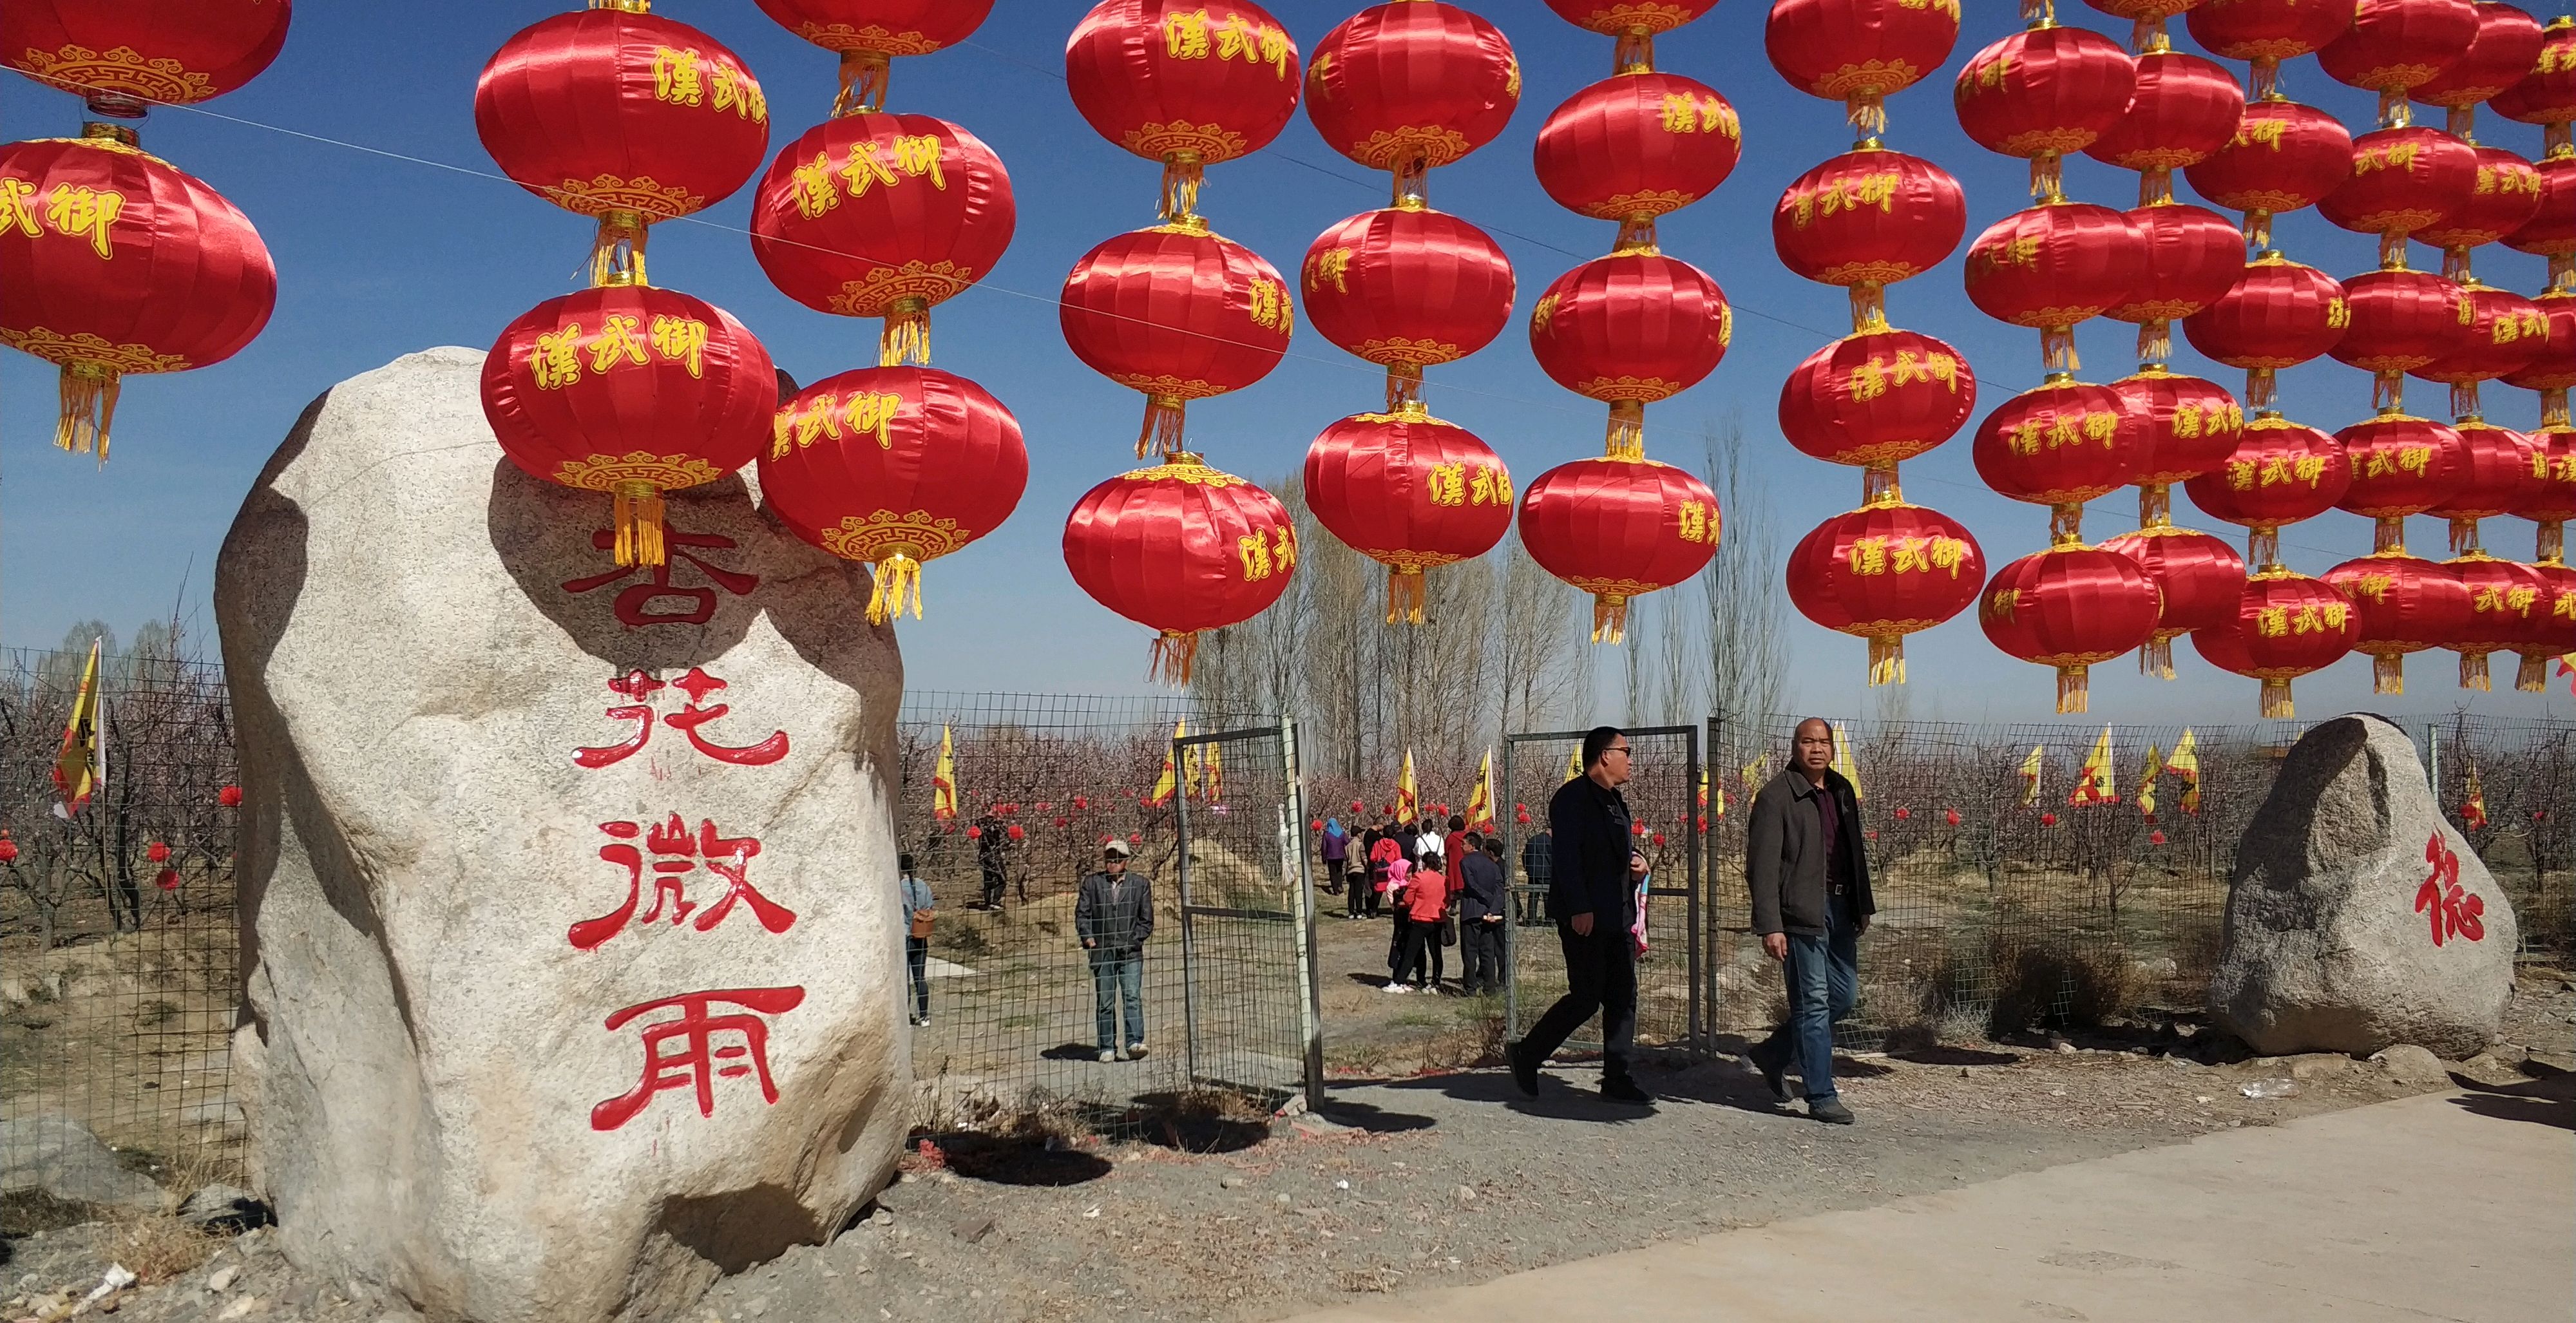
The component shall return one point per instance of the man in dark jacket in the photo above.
(1808, 869)
(1536, 854)
(1113, 914)
(1481, 907)
(1592, 890)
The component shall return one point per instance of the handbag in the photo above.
(1449, 928)
(921, 923)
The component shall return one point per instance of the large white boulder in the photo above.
(573, 978)
(2357, 917)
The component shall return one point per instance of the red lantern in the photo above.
(2546, 93)
(9, 848)
(1867, 219)
(2551, 231)
(2400, 466)
(2403, 180)
(2050, 267)
(894, 467)
(1411, 492)
(2183, 110)
(163, 54)
(1178, 313)
(2505, 197)
(1877, 399)
(676, 389)
(866, 34)
(1180, 548)
(1407, 289)
(1630, 329)
(2279, 314)
(2549, 499)
(875, 215)
(2069, 607)
(1170, 82)
(158, 852)
(1885, 571)
(1636, 146)
(2553, 371)
(2504, 332)
(621, 115)
(1619, 528)
(2267, 32)
(2193, 258)
(2198, 578)
(2286, 626)
(2188, 427)
(1858, 52)
(2280, 474)
(2061, 444)
(2402, 604)
(1409, 86)
(2553, 626)
(194, 284)
(2284, 157)
(1623, 18)
(2507, 45)
(2504, 598)
(2395, 45)
(2400, 321)
(2043, 93)
(229, 796)
(2500, 478)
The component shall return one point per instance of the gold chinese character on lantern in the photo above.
(871, 413)
(681, 340)
(1868, 555)
(1185, 34)
(813, 187)
(865, 167)
(1448, 484)
(616, 344)
(675, 76)
(918, 155)
(556, 362)
(1333, 264)
(77, 211)
(1490, 486)
(1269, 301)
(17, 210)
(1254, 548)
(1697, 525)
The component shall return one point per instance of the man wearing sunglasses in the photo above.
(1592, 889)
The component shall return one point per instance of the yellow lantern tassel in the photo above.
(1626, 436)
(2265, 84)
(892, 578)
(1403, 386)
(2465, 407)
(2074, 692)
(2464, 538)
(2474, 674)
(1609, 618)
(2155, 185)
(2276, 700)
(907, 334)
(1173, 653)
(2553, 406)
(1633, 52)
(2057, 349)
(2261, 385)
(1161, 435)
(2388, 673)
(1403, 595)
(1887, 659)
(864, 75)
(638, 508)
(2066, 525)
(2263, 547)
(1412, 184)
(1868, 307)
(1182, 175)
(89, 403)
(2155, 342)
(2156, 659)
(2155, 505)
(1636, 238)
(1878, 486)
(2456, 266)
(2550, 546)
(2258, 231)
(2048, 178)
(2533, 675)
(617, 252)
(1866, 112)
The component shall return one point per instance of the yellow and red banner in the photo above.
(2095, 783)
(1169, 783)
(2030, 774)
(2147, 782)
(943, 779)
(1843, 760)
(2184, 763)
(1480, 801)
(81, 768)
(1408, 804)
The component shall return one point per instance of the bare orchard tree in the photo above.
(1540, 658)
(1748, 659)
(1338, 608)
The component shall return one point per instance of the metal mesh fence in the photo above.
(1040, 784)
(117, 934)
(1664, 766)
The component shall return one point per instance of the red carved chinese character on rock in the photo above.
(633, 603)
(638, 688)
(695, 1064)
(676, 855)
(2450, 908)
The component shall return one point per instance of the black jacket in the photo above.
(1784, 854)
(1588, 861)
(1120, 918)
(1481, 887)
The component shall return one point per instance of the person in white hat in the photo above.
(1113, 914)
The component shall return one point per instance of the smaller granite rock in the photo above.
(2408, 1064)
(59, 1156)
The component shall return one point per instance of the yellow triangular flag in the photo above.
(82, 765)
(1408, 805)
(1843, 761)
(2093, 785)
(1169, 783)
(2030, 776)
(943, 778)
(2147, 781)
(2184, 763)
(1574, 763)
(1480, 802)
(1212, 788)
(1757, 771)
(1703, 800)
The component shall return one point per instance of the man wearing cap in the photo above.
(1113, 914)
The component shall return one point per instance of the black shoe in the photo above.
(1774, 1065)
(1829, 1110)
(1625, 1090)
(1524, 1070)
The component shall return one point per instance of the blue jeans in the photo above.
(1116, 976)
(1823, 974)
(916, 959)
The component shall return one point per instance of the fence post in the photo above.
(1700, 1036)
(1512, 900)
(1310, 1009)
(1189, 943)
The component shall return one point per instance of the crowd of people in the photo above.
(1440, 883)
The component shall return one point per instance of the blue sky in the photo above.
(380, 256)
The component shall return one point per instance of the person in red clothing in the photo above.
(1426, 902)
(1454, 848)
